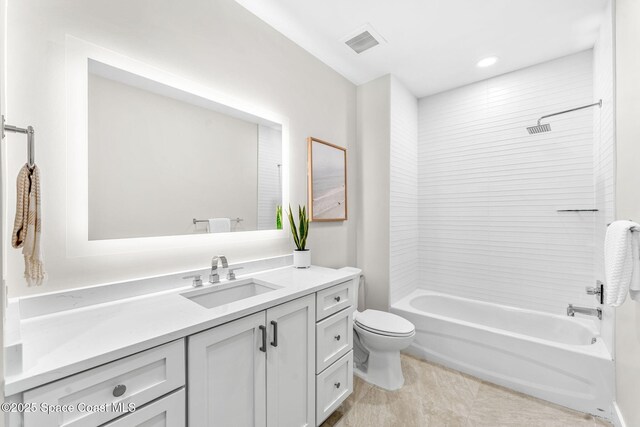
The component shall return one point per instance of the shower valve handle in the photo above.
(598, 291)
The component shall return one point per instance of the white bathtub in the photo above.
(556, 358)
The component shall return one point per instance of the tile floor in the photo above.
(437, 396)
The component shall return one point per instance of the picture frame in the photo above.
(327, 181)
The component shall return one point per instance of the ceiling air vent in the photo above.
(362, 42)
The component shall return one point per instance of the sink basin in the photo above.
(216, 295)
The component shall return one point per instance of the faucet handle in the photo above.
(231, 275)
(197, 280)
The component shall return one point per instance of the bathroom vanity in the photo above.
(270, 349)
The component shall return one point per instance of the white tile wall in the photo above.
(269, 178)
(604, 155)
(403, 211)
(489, 191)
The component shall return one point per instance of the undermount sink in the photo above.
(211, 296)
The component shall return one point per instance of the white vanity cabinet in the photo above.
(255, 371)
(105, 393)
(287, 365)
(334, 347)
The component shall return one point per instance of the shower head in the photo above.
(539, 128)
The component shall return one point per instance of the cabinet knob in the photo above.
(119, 390)
(337, 337)
(337, 385)
(337, 299)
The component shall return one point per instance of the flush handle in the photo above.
(119, 390)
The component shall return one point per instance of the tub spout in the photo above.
(572, 310)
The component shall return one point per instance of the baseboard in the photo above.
(616, 416)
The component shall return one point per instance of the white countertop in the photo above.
(64, 343)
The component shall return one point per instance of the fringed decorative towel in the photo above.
(28, 224)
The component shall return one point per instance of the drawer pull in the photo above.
(119, 390)
(337, 299)
(337, 385)
(337, 337)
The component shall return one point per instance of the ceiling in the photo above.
(434, 45)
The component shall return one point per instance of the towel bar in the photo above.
(31, 146)
(236, 220)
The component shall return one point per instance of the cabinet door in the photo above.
(227, 374)
(291, 364)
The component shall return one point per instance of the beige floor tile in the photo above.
(498, 406)
(443, 392)
(435, 396)
(599, 422)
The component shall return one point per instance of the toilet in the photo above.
(379, 337)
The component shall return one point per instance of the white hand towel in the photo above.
(218, 225)
(27, 225)
(621, 262)
(634, 287)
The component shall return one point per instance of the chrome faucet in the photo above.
(572, 310)
(214, 277)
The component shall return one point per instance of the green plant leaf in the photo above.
(294, 231)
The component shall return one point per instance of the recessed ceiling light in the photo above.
(487, 62)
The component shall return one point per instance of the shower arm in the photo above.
(599, 104)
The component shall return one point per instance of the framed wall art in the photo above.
(327, 180)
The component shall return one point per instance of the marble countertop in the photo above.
(60, 344)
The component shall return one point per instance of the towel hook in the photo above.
(31, 140)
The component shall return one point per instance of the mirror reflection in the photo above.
(165, 162)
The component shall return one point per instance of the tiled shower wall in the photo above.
(489, 192)
(403, 198)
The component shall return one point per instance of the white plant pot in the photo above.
(302, 259)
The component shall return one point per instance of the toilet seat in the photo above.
(383, 323)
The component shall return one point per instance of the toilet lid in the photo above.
(384, 323)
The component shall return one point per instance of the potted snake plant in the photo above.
(301, 255)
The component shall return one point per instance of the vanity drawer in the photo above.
(168, 411)
(333, 386)
(334, 299)
(137, 379)
(334, 338)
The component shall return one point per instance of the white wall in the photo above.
(215, 43)
(3, 204)
(373, 118)
(627, 353)
(403, 199)
(489, 191)
(269, 176)
(156, 162)
(604, 156)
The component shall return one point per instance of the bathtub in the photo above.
(556, 358)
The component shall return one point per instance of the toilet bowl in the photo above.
(379, 337)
